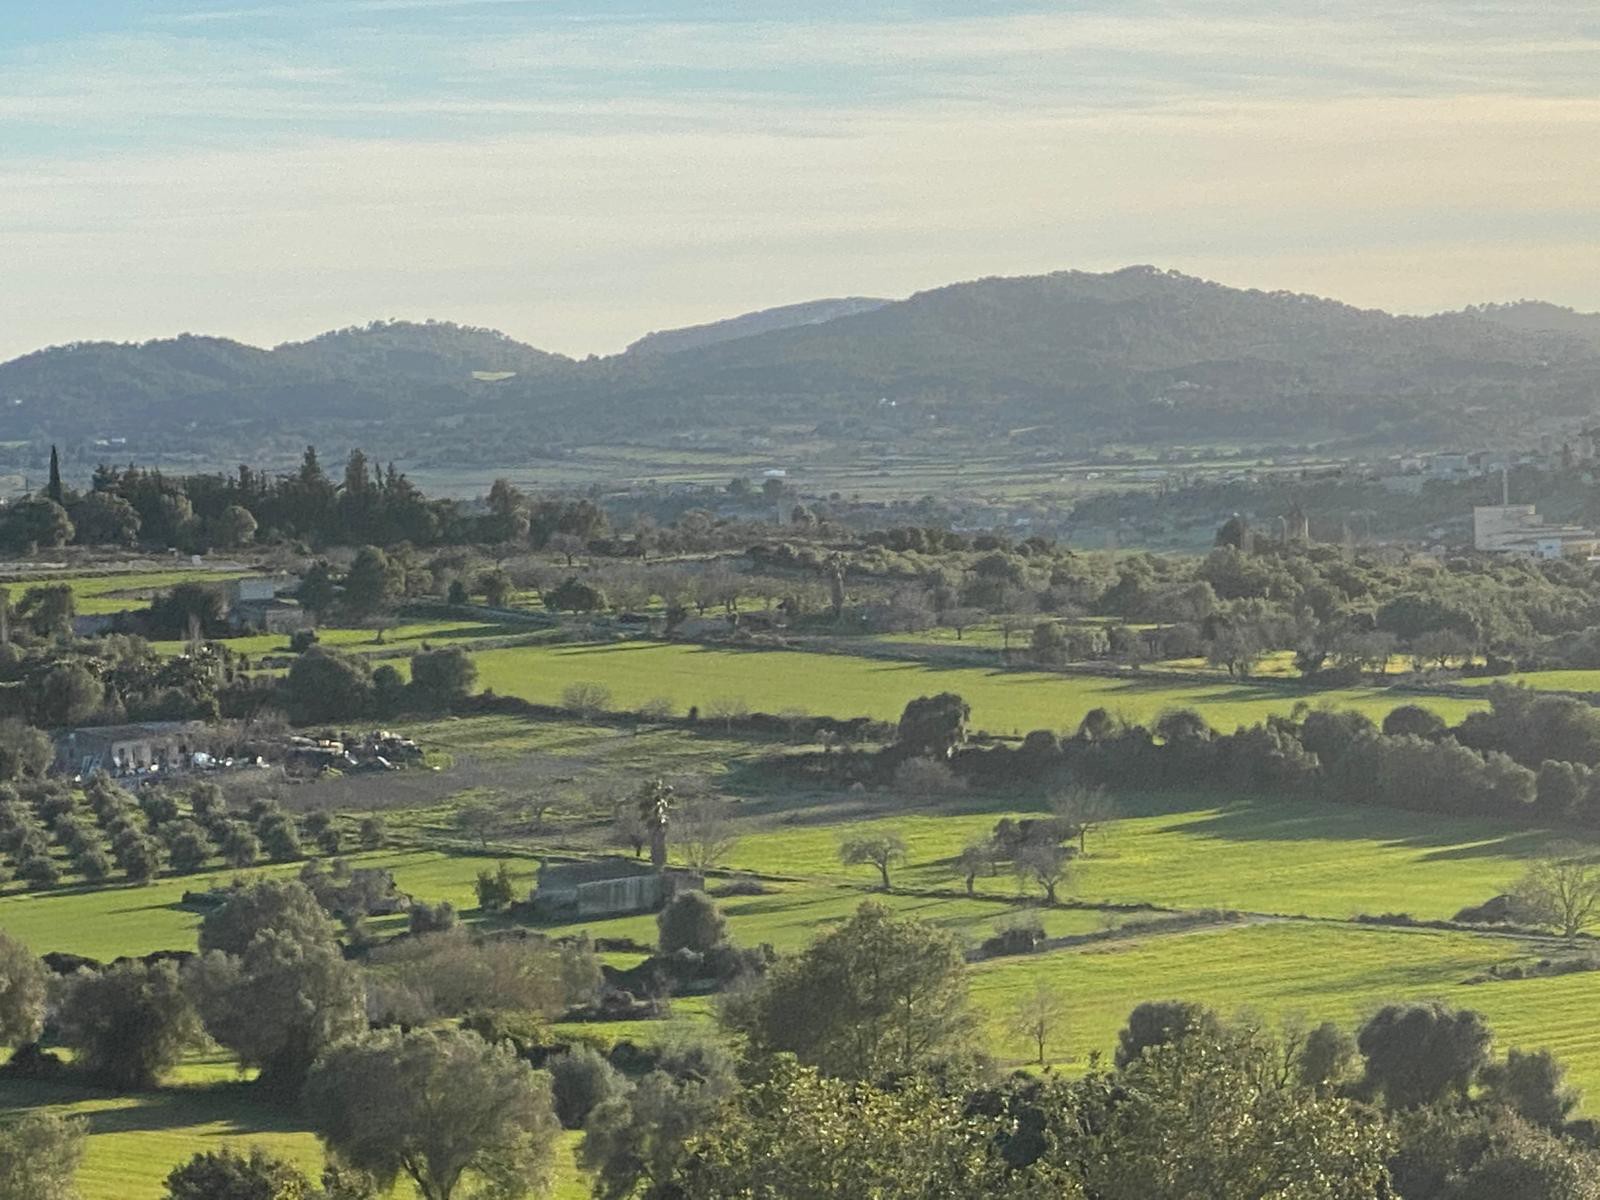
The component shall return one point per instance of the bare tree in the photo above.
(960, 619)
(1562, 888)
(568, 545)
(478, 819)
(586, 699)
(882, 851)
(1038, 1019)
(1043, 864)
(629, 829)
(728, 709)
(1083, 810)
(704, 834)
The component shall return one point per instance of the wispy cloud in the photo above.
(577, 174)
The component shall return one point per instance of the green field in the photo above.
(1542, 681)
(407, 637)
(134, 1141)
(107, 922)
(114, 593)
(792, 914)
(1003, 702)
(1322, 971)
(1289, 857)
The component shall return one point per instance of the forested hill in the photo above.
(812, 312)
(1137, 355)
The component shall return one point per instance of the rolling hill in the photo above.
(1139, 355)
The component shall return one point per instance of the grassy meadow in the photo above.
(114, 593)
(1003, 702)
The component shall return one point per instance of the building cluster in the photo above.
(1518, 529)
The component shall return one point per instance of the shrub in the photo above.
(586, 699)
(433, 918)
(690, 921)
(39, 871)
(582, 1079)
(917, 777)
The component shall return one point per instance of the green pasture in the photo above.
(135, 1140)
(104, 923)
(1274, 856)
(114, 593)
(791, 915)
(1326, 972)
(1002, 702)
(408, 636)
(1541, 681)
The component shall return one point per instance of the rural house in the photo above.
(128, 749)
(609, 887)
(258, 602)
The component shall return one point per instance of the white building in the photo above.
(1517, 529)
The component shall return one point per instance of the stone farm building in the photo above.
(608, 887)
(128, 749)
(259, 603)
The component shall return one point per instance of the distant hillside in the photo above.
(199, 394)
(436, 351)
(694, 337)
(1543, 317)
(1075, 359)
(1134, 355)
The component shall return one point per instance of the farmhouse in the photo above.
(128, 749)
(259, 602)
(610, 887)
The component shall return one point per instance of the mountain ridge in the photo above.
(1140, 354)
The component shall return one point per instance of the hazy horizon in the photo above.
(577, 175)
(424, 318)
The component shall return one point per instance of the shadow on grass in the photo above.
(1316, 820)
(238, 1108)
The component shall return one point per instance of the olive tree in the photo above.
(23, 982)
(874, 995)
(882, 851)
(453, 1114)
(39, 1157)
(128, 1024)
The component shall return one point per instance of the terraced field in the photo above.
(1003, 702)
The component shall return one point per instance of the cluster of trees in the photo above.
(198, 513)
(1529, 755)
(860, 1071)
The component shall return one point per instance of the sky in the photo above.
(579, 172)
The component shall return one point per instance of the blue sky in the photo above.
(579, 173)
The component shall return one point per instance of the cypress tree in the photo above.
(54, 491)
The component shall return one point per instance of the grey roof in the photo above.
(123, 733)
(593, 871)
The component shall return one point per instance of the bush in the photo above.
(228, 1175)
(582, 1079)
(495, 890)
(279, 838)
(94, 864)
(586, 699)
(433, 918)
(240, 846)
(372, 832)
(39, 871)
(690, 921)
(918, 777)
